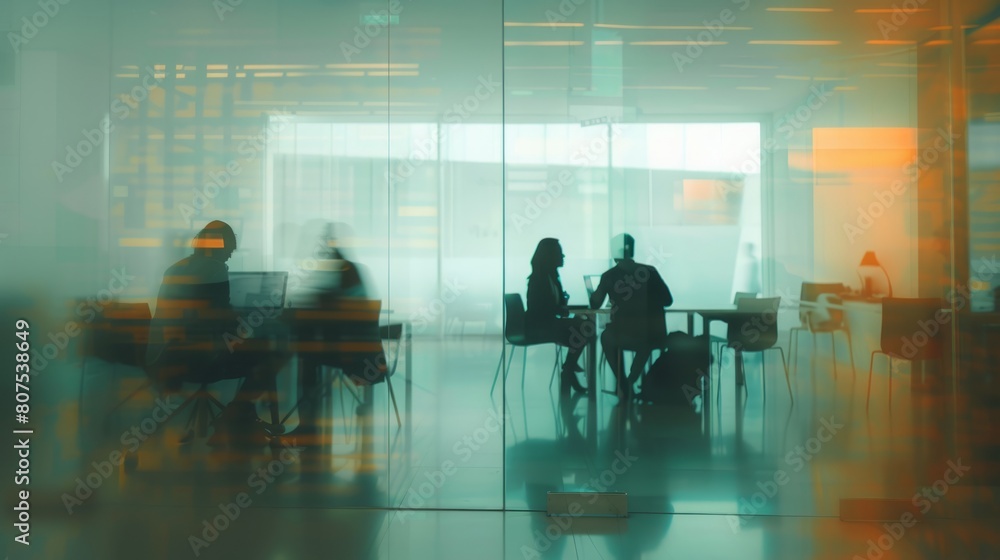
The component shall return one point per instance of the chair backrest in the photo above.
(757, 330)
(914, 328)
(743, 295)
(514, 327)
(812, 290)
(810, 293)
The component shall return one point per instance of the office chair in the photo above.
(190, 356)
(905, 336)
(634, 347)
(717, 341)
(515, 334)
(119, 336)
(746, 335)
(816, 322)
(343, 333)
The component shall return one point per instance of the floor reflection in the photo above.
(770, 473)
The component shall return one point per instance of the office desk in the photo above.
(707, 315)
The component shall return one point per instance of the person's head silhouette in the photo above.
(622, 247)
(548, 256)
(217, 240)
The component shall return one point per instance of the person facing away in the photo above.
(547, 315)
(638, 295)
(334, 274)
(333, 283)
(189, 331)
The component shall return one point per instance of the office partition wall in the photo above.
(434, 145)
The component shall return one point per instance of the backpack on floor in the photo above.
(675, 377)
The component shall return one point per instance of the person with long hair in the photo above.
(547, 316)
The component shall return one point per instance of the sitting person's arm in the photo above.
(659, 287)
(600, 293)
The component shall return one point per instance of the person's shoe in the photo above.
(239, 425)
(569, 380)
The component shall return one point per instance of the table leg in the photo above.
(706, 392)
(591, 367)
(738, 358)
(408, 381)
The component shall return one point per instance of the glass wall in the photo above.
(431, 147)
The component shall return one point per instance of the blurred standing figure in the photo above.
(751, 270)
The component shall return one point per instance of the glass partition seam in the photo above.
(388, 239)
(768, 198)
(503, 247)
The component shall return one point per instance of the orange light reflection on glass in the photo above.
(208, 244)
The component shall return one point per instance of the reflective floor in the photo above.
(757, 474)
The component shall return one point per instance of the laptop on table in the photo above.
(248, 290)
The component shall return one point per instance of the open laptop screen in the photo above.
(591, 281)
(247, 289)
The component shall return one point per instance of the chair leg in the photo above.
(850, 352)
(793, 346)
(871, 366)
(763, 377)
(510, 362)
(890, 383)
(833, 351)
(524, 369)
(743, 370)
(496, 376)
(555, 367)
(812, 359)
(392, 397)
(788, 381)
(718, 389)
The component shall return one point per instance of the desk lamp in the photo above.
(869, 260)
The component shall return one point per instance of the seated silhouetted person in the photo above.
(638, 295)
(349, 335)
(547, 316)
(195, 336)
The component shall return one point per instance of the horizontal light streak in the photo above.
(803, 43)
(540, 24)
(677, 88)
(140, 242)
(542, 43)
(374, 66)
(280, 66)
(676, 43)
(667, 27)
(888, 10)
(805, 10)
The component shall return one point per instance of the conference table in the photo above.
(349, 332)
(708, 315)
